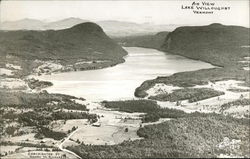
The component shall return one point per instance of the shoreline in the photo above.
(110, 111)
(172, 53)
(124, 60)
(88, 69)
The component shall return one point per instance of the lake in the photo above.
(119, 82)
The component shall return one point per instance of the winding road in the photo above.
(60, 146)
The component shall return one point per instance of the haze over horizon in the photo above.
(154, 12)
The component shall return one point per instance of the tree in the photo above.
(73, 128)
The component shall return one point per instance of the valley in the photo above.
(77, 106)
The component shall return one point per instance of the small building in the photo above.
(96, 124)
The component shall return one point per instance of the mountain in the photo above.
(24, 24)
(82, 41)
(111, 27)
(117, 28)
(32, 24)
(216, 43)
(148, 41)
(125, 29)
(64, 23)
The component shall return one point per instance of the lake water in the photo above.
(120, 81)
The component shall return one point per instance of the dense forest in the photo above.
(197, 136)
(152, 111)
(190, 94)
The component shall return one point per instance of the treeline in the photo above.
(42, 119)
(60, 115)
(131, 106)
(184, 137)
(153, 112)
(44, 132)
(190, 94)
(243, 102)
(72, 105)
(33, 118)
(39, 101)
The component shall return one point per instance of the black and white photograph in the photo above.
(100, 79)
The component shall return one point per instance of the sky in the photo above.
(147, 11)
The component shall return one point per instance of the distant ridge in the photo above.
(63, 24)
(24, 24)
(111, 27)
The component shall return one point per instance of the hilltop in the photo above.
(81, 41)
(216, 43)
(85, 42)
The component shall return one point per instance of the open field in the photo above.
(214, 104)
(110, 127)
(27, 117)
